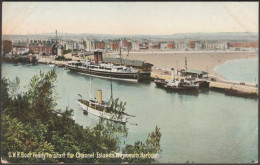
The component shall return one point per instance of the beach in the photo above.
(205, 61)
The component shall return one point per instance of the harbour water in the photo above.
(245, 70)
(206, 128)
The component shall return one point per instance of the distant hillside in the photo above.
(180, 36)
(217, 36)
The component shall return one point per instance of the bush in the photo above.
(31, 123)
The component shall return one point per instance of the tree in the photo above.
(152, 146)
(42, 95)
(7, 46)
(31, 123)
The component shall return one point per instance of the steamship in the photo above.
(182, 85)
(103, 109)
(177, 85)
(98, 68)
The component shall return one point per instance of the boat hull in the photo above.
(109, 116)
(106, 74)
(183, 88)
(240, 93)
(160, 83)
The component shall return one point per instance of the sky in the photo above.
(129, 18)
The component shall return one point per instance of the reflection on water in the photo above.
(185, 92)
(208, 127)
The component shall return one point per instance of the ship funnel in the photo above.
(98, 57)
(99, 96)
(173, 74)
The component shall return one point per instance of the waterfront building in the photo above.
(124, 44)
(186, 45)
(129, 45)
(221, 45)
(100, 45)
(69, 45)
(135, 46)
(180, 45)
(7, 46)
(20, 48)
(198, 45)
(242, 44)
(88, 45)
(191, 44)
(203, 45)
(93, 44)
(171, 45)
(41, 48)
(108, 45)
(210, 45)
(57, 49)
(144, 45)
(75, 45)
(163, 46)
(154, 45)
(84, 44)
(80, 46)
(115, 45)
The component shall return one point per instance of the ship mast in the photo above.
(186, 63)
(56, 44)
(111, 89)
(111, 97)
(120, 52)
(186, 66)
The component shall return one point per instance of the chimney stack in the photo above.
(56, 35)
(99, 96)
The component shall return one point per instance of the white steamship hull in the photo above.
(109, 116)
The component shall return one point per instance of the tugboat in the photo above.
(103, 109)
(182, 85)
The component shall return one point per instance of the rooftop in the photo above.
(125, 61)
(45, 44)
(196, 71)
(20, 44)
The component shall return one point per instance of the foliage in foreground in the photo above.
(30, 123)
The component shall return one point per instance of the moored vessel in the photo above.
(234, 92)
(104, 70)
(182, 85)
(105, 109)
(179, 85)
(160, 82)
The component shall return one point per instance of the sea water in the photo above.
(207, 128)
(245, 70)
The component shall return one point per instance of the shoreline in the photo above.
(164, 61)
(199, 61)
